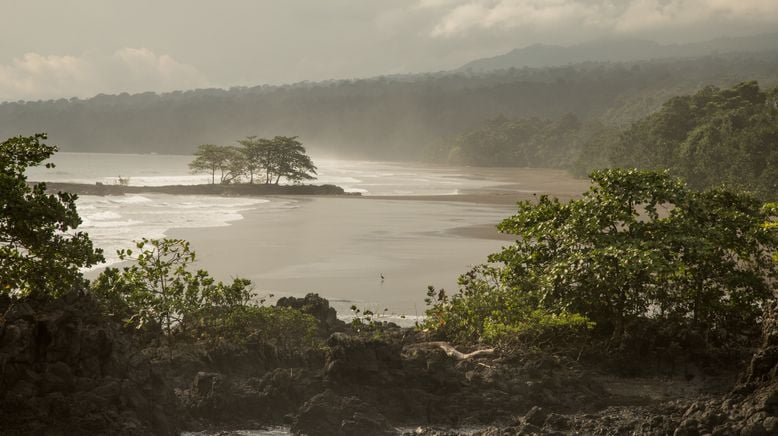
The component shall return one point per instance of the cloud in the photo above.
(35, 76)
(461, 17)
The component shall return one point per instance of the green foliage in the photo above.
(280, 157)
(639, 244)
(530, 142)
(711, 138)
(716, 137)
(287, 330)
(366, 321)
(382, 117)
(229, 161)
(158, 289)
(771, 224)
(487, 310)
(538, 328)
(40, 254)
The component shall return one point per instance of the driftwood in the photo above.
(456, 354)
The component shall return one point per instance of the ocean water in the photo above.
(365, 177)
(114, 222)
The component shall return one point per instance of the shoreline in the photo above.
(344, 250)
(255, 190)
(339, 245)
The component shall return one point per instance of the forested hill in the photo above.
(394, 117)
(618, 50)
(710, 138)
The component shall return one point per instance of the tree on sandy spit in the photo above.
(280, 157)
(290, 161)
(228, 161)
(40, 255)
(255, 152)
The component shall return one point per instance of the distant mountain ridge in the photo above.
(395, 118)
(617, 50)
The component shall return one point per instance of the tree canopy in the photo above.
(160, 292)
(276, 158)
(377, 118)
(712, 138)
(228, 161)
(524, 142)
(639, 244)
(158, 288)
(40, 254)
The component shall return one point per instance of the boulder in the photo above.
(66, 369)
(356, 359)
(331, 414)
(317, 307)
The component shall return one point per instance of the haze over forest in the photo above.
(386, 117)
(375, 80)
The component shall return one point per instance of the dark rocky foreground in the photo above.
(217, 189)
(66, 370)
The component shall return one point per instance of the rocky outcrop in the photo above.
(752, 406)
(65, 368)
(412, 384)
(329, 414)
(223, 401)
(317, 307)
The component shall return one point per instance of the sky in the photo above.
(79, 48)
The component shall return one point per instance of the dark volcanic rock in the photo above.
(65, 368)
(354, 359)
(232, 401)
(330, 414)
(752, 406)
(319, 308)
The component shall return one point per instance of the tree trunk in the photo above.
(456, 354)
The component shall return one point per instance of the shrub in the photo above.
(485, 310)
(286, 329)
(40, 254)
(158, 289)
(638, 245)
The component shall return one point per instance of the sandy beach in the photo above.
(340, 246)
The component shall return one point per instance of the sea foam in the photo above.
(114, 222)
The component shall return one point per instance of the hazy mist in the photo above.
(84, 47)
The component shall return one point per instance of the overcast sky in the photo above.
(64, 48)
